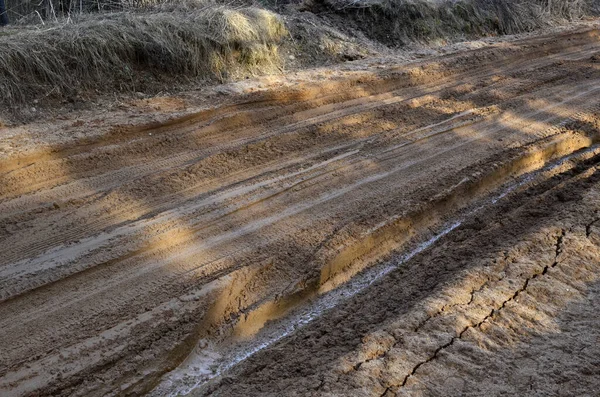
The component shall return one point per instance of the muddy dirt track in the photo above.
(124, 252)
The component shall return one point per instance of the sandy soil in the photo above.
(506, 304)
(127, 247)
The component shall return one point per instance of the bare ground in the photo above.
(504, 305)
(123, 247)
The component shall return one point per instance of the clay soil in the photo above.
(135, 243)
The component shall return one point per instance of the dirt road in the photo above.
(124, 251)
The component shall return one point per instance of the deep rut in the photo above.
(491, 291)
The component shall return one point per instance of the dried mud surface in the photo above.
(124, 250)
(504, 305)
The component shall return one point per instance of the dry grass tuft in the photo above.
(398, 22)
(126, 51)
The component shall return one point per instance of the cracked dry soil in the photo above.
(505, 305)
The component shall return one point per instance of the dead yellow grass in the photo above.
(121, 51)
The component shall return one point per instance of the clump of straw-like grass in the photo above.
(398, 22)
(118, 51)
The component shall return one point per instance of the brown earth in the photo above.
(506, 304)
(123, 247)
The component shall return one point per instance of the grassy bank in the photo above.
(174, 42)
(132, 51)
(398, 22)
